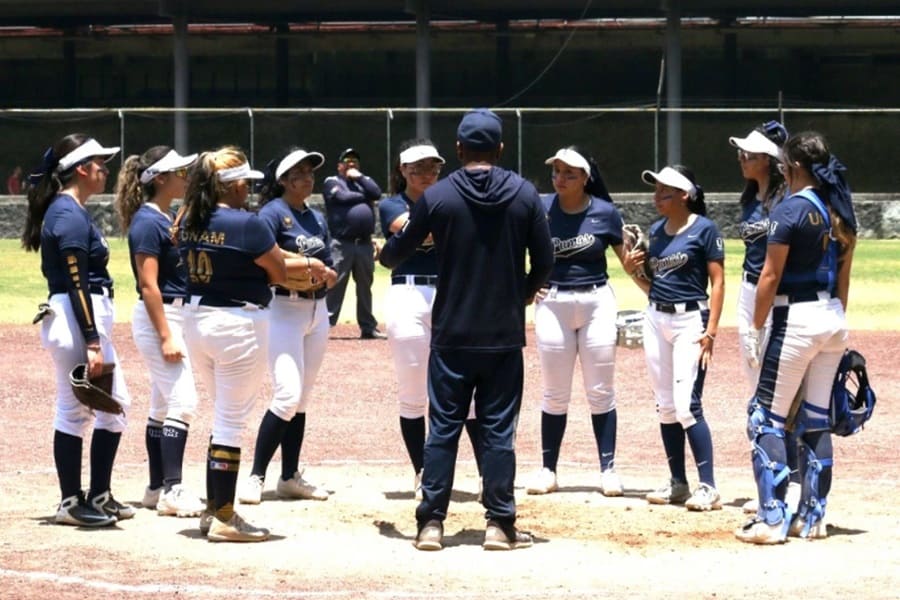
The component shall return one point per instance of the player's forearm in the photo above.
(75, 265)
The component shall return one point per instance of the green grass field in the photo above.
(874, 292)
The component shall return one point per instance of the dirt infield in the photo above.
(358, 543)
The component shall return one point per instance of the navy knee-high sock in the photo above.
(673, 443)
(472, 430)
(605, 426)
(413, 432)
(153, 442)
(553, 428)
(224, 463)
(67, 451)
(104, 445)
(291, 442)
(271, 430)
(174, 439)
(700, 439)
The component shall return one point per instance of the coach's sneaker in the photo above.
(610, 484)
(673, 492)
(704, 498)
(235, 529)
(430, 536)
(74, 511)
(206, 519)
(417, 485)
(251, 491)
(151, 496)
(109, 505)
(297, 487)
(542, 482)
(496, 537)
(180, 503)
(757, 531)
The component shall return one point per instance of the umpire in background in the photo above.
(349, 205)
(482, 219)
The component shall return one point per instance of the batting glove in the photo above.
(750, 339)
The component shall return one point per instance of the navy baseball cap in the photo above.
(480, 129)
(348, 152)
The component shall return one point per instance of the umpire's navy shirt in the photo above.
(348, 204)
(68, 226)
(482, 221)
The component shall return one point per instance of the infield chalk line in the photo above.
(171, 588)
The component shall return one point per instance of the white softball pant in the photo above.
(61, 336)
(173, 394)
(298, 334)
(672, 351)
(228, 348)
(569, 324)
(408, 316)
(806, 345)
(745, 306)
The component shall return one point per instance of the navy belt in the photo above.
(751, 278)
(809, 296)
(102, 291)
(677, 307)
(414, 279)
(226, 302)
(584, 287)
(176, 300)
(366, 239)
(308, 294)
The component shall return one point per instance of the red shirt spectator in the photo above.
(14, 182)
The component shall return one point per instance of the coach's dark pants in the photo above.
(353, 258)
(496, 380)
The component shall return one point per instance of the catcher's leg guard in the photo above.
(770, 468)
(816, 460)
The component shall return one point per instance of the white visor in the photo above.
(89, 149)
(295, 157)
(172, 161)
(417, 153)
(757, 143)
(672, 178)
(239, 172)
(571, 158)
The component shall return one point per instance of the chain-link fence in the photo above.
(623, 140)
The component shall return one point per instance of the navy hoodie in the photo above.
(482, 222)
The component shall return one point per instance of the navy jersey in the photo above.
(753, 228)
(424, 261)
(68, 226)
(149, 234)
(580, 241)
(302, 231)
(679, 262)
(220, 259)
(797, 223)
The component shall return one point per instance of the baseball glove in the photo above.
(95, 393)
(633, 239)
(303, 283)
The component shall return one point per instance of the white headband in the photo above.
(417, 153)
(239, 172)
(298, 156)
(571, 158)
(172, 161)
(87, 150)
(672, 178)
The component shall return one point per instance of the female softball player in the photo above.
(575, 314)
(231, 258)
(409, 301)
(804, 283)
(299, 324)
(759, 155)
(686, 256)
(77, 325)
(146, 187)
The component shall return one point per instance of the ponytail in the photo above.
(271, 188)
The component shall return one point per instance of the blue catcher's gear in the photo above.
(849, 410)
(769, 473)
(812, 505)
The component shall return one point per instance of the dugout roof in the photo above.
(79, 13)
